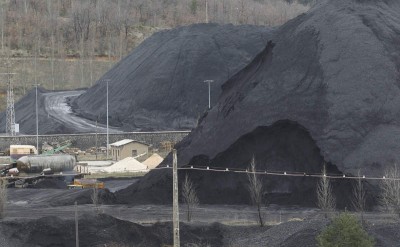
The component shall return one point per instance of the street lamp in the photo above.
(209, 92)
(37, 118)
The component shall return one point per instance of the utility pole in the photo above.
(37, 118)
(10, 113)
(206, 11)
(76, 225)
(209, 92)
(107, 81)
(175, 196)
(97, 119)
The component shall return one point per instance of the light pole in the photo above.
(37, 118)
(206, 11)
(107, 81)
(97, 120)
(209, 92)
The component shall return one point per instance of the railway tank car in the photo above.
(37, 163)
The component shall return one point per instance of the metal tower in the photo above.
(10, 114)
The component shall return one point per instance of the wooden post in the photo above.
(76, 226)
(175, 199)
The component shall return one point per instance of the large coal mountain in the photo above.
(160, 85)
(325, 89)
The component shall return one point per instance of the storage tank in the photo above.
(37, 163)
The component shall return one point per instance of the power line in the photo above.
(276, 173)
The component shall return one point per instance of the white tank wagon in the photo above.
(37, 163)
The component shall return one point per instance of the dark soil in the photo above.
(102, 230)
(50, 183)
(83, 196)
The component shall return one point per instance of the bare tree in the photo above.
(95, 198)
(189, 197)
(326, 201)
(3, 4)
(359, 196)
(256, 189)
(390, 187)
(3, 197)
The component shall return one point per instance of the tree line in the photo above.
(67, 44)
(104, 27)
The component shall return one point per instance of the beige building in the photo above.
(129, 148)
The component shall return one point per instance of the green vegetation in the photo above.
(345, 231)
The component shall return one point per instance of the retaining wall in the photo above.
(84, 141)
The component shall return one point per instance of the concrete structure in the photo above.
(128, 148)
(85, 141)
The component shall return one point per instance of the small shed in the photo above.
(128, 148)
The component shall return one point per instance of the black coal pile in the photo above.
(83, 196)
(160, 85)
(102, 230)
(333, 73)
(25, 116)
(50, 183)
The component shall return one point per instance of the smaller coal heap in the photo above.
(25, 116)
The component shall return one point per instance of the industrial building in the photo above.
(129, 148)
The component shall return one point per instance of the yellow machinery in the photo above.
(85, 183)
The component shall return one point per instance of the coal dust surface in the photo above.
(325, 89)
(160, 84)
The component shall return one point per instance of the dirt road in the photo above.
(56, 107)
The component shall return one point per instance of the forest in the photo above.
(68, 44)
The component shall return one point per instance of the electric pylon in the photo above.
(10, 114)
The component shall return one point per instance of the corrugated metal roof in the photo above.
(126, 141)
(121, 143)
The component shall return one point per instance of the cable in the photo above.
(275, 173)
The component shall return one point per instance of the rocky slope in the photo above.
(160, 85)
(333, 74)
